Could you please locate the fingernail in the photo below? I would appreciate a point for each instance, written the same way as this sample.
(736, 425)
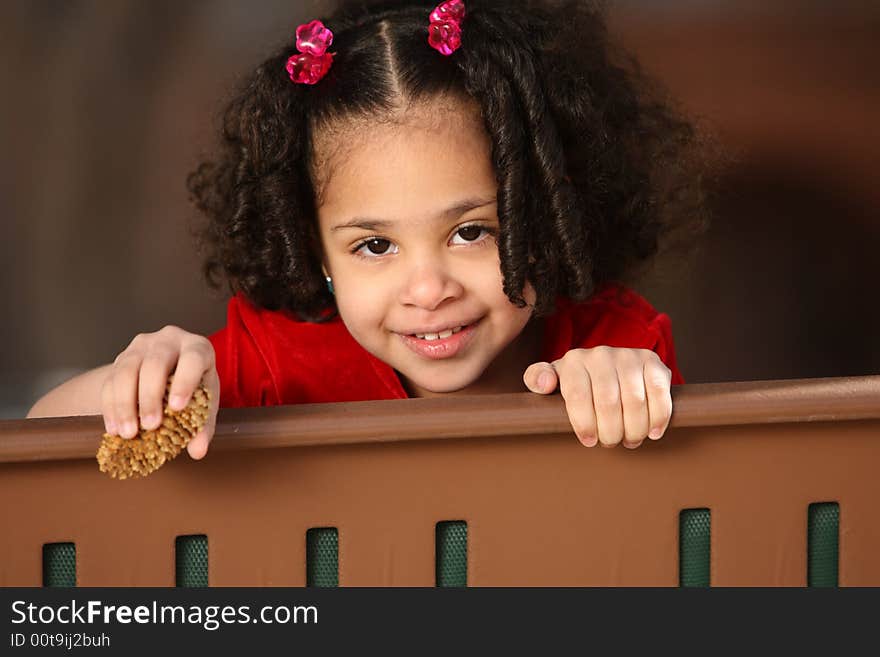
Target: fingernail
(111, 428)
(656, 432)
(150, 421)
(545, 380)
(589, 441)
(177, 402)
(129, 430)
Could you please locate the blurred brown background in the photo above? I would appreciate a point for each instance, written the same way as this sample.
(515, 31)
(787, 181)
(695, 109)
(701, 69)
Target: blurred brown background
(106, 106)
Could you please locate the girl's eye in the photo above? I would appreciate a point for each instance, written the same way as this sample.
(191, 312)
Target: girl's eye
(375, 246)
(471, 233)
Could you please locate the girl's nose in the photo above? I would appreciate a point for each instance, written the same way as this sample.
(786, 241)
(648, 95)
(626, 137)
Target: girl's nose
(428, 286)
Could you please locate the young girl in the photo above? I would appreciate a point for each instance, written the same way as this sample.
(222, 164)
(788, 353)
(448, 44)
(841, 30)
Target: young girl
(415, 200)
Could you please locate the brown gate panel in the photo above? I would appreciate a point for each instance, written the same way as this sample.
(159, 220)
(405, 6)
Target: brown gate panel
(540, 508)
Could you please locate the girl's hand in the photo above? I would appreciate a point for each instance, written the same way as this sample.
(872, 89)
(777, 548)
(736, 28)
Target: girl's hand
(135, 386)
(611, 394)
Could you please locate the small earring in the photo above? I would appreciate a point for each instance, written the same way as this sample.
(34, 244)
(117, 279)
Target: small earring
(329, 284)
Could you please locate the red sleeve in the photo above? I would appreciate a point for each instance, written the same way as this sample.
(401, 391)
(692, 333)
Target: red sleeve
(614, 317)
(245, 379)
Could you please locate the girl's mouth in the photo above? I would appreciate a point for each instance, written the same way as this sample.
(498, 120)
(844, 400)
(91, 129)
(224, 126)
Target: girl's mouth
(437, 346)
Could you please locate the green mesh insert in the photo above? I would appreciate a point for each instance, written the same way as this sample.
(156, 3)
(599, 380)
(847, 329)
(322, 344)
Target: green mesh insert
(452, 553)
(693, 544)
(823, 528)
(191, 558)
(322, 557)
(59, 564)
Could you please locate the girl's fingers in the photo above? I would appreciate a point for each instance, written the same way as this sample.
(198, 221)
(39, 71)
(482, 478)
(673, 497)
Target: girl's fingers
(196, 358)
(658, 381)
(125, 393)
(154, 371)
(636, 422)
(576, 388)
(607, 401)
(612, 395)
(540, 378)
(132, 395)
(198, 446)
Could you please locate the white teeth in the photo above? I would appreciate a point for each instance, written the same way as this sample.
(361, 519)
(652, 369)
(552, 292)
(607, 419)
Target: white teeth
(442, 335)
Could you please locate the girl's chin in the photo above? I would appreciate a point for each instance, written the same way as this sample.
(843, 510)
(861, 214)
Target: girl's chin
(433, 385)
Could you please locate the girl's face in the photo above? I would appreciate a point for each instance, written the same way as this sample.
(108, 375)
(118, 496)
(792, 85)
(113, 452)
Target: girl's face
(408, 220)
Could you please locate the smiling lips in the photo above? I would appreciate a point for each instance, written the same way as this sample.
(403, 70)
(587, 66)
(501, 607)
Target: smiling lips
(437, 346)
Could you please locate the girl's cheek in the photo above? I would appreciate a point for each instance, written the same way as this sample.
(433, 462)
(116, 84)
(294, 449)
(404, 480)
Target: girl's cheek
(359, 305)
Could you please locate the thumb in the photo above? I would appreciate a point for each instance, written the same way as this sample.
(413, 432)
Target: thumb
(541, 378)
(198, 446)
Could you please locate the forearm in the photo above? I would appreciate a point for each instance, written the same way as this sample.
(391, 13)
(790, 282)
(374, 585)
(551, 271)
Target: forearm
(80, 395)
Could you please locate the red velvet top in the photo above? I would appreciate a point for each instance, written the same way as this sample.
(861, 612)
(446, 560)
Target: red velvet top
(267, 358)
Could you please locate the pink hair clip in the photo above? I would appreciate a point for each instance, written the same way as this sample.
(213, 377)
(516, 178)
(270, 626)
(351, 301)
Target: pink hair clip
(313, 61)
(444, 29)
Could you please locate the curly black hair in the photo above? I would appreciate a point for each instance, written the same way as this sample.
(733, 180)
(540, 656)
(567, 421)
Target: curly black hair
(594, 165)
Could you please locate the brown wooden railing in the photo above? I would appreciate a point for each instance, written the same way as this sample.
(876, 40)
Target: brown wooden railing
(540, 508)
